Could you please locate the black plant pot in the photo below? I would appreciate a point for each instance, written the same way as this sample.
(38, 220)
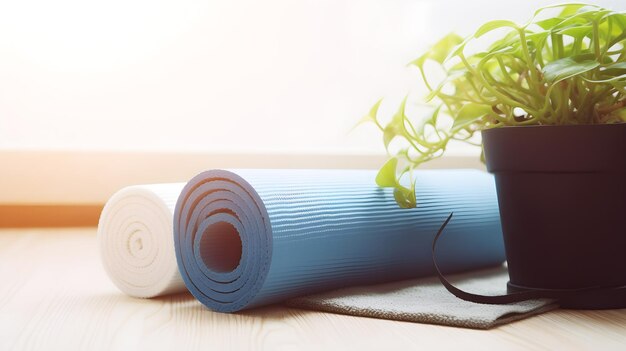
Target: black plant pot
(562, 197)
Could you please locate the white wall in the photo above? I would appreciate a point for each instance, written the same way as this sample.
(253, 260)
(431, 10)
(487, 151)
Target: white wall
(263, 75)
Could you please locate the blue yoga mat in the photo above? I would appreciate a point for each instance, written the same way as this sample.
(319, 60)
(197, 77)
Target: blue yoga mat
(248, 238)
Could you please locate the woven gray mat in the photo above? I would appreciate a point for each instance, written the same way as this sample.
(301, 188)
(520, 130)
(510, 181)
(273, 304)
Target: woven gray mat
(427, 301)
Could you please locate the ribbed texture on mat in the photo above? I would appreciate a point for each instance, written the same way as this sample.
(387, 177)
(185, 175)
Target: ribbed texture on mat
(253, 237)
(136, 242)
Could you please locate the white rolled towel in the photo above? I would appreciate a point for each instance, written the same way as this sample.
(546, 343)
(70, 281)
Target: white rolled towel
(136, 242)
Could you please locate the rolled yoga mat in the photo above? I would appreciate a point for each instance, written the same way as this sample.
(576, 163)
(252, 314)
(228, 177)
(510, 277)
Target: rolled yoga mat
(136, 242)
(248, 238)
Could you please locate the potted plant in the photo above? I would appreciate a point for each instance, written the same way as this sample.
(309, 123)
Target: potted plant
(549, 99)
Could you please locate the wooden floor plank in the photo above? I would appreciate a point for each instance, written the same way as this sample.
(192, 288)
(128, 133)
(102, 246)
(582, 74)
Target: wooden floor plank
(55, 295)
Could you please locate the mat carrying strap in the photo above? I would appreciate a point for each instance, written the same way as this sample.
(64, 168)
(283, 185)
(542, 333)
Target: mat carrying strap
(508, 298)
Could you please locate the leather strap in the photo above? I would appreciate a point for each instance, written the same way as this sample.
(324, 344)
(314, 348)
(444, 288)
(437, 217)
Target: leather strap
(508, 298)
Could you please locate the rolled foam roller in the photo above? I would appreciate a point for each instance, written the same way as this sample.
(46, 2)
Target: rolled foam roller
(136, 242)
(248, 238)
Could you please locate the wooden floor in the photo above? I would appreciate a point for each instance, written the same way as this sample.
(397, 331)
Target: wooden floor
(54, 295)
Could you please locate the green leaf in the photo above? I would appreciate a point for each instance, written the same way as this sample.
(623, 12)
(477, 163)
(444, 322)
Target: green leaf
(391, 131)
(431, 119)
(568, 8)
(617, 27)
(457, 50)
(576, 31)
(507, 40)
(614, 69)
(568, 67)
(386, 176)
(620, 85)
(371, 115)
(621, 19)
(583, 17)
(405, 197)
(439, 51)
(419, 62)
(468, 114)
(606, 80)
(571, 9)
(395, 126)
(538, 37)
(492, 25)
(497, 53)
(617, 65)
(549, 23)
